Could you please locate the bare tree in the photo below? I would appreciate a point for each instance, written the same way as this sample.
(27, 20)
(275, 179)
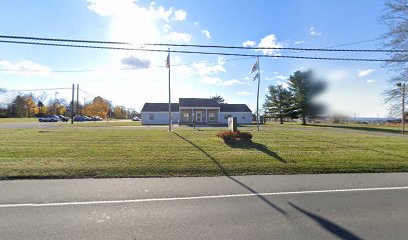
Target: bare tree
(396, 38)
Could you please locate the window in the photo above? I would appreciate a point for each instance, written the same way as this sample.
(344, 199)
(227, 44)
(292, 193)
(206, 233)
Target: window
(211, 116)
(243, 116)
(151, 116)
(185, 116)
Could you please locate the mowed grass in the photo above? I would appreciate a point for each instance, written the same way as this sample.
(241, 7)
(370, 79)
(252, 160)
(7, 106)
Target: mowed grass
(13, 120)
(66, 152)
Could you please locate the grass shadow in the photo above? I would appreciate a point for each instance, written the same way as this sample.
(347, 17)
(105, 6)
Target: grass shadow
(360, 128)
(225, 173)
(330, 226)
(257, 146)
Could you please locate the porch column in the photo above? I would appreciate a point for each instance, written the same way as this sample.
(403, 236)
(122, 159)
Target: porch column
(206, 115)
(192, 114)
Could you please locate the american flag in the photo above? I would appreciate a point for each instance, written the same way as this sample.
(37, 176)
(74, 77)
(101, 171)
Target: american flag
(168, 61)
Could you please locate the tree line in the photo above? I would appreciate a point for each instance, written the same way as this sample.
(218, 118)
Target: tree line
(30, 105)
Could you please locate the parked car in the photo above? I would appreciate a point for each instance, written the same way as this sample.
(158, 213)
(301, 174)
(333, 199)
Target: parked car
(63, 118)
(49, 118)
(80, 118)
(136, 119)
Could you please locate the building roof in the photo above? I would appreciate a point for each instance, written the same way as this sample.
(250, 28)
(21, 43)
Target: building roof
(198, 102)
(234, 108)
(160, 107)
(195, 102)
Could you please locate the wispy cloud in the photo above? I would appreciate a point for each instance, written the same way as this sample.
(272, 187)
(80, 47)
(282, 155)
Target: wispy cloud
(166, 28)
(249, 43)
(244, 93)
(179, 15)
(364, 72)
(313, 32)
(178, 37)
(204, 69)
(232, 82)
(206, 33)
(371, 81)
(299, 42)
(211, 80)
(26, 68)
(281, 77)
(338, 75)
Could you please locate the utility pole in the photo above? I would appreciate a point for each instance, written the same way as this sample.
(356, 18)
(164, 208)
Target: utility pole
(257, 95)
(403, 108)
(168, 66)
(72, 104)
(56, 103)
(77, 104)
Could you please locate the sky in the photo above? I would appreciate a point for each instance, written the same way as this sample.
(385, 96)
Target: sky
(131, 78)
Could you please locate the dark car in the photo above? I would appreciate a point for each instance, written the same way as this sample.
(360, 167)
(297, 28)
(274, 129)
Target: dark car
(81, 118)
(63, 118)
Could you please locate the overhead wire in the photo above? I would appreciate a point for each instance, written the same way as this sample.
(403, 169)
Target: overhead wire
(329, 49)
(208, 53)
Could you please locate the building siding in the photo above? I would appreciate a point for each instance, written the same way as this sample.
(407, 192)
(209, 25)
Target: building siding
(238, 115)
(159, 118)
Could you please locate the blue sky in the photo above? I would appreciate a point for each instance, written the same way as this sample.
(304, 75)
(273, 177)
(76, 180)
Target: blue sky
(353, 87)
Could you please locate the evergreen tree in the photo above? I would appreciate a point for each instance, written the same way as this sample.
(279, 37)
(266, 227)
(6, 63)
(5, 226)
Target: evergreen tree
(305, 88)
(279, 102)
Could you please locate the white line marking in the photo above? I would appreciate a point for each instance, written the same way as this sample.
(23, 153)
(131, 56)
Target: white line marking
(198, 197)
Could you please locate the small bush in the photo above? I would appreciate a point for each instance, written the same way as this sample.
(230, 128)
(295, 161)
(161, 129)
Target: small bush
(229, 136)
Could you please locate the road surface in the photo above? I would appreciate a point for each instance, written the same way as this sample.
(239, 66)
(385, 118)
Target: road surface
(336, 206)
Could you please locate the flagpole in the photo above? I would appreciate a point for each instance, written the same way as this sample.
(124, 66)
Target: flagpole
(257, 95)
(168, 64)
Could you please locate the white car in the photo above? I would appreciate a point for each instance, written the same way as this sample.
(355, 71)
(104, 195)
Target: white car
(136, 119)
(52, 118)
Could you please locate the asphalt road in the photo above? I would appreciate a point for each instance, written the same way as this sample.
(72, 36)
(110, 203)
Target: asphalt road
(337, 206)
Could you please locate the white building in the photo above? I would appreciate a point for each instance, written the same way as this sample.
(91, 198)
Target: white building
(200, 110)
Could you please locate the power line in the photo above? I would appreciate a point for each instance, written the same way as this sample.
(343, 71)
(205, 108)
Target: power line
(210, 46)
(33, 90)
(207, 53)
(328, 49)
(86, 93)
(62, 40)
(354, 43)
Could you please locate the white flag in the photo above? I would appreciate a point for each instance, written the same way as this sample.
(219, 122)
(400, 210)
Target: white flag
(255, 67)
(256, 76)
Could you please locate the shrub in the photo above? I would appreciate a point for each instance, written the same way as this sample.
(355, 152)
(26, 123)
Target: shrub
(229, 136)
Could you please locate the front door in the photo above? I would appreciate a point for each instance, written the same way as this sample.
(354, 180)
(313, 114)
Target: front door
(199, 116)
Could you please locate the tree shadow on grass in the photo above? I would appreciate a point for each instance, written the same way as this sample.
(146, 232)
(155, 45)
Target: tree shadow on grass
(225, 172)
(257, 146)
(330, 226)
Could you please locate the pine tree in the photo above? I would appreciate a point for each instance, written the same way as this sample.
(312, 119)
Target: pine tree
(279, 102)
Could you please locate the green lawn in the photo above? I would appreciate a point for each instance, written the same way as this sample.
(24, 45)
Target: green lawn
(111, 123)
(67, 152)
(7, 120)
